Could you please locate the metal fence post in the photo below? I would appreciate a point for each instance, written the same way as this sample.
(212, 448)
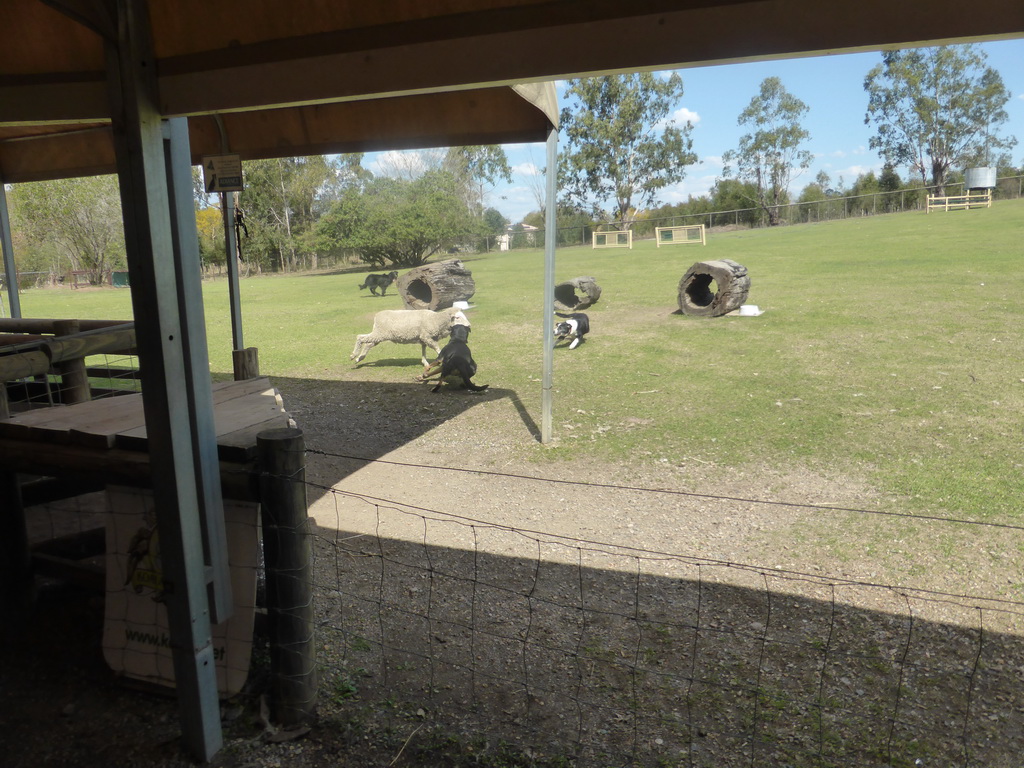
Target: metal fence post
(289, 575)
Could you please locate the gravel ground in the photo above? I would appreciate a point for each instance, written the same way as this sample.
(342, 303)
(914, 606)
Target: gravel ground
(59, 704)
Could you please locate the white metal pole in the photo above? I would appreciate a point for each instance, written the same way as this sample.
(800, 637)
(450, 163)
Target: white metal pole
(551, 236)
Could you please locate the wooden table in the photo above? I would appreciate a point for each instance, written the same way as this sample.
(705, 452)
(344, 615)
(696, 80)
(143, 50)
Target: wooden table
(107, 437)
(89, 445)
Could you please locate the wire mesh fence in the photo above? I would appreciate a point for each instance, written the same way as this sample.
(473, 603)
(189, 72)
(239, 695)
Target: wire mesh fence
(618, 656)
(829, 207)
(601, 654)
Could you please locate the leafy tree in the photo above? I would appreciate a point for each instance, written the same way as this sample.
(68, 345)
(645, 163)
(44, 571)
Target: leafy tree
(494, 222)
(768, 156)
(210, 230)
(399, 222)
(478, 169)
(74, 219)
(737, 199)
(282, 200)
(621, 143)
(936, 108)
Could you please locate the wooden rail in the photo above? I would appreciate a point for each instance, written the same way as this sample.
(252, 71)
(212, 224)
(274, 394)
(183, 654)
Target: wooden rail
(960, 202)
(29, 352)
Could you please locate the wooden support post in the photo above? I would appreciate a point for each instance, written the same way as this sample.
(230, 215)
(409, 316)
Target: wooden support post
(10, 283)
(74, 387)
(246, 363)
(162, 252)
(16, 583)
(288, 555)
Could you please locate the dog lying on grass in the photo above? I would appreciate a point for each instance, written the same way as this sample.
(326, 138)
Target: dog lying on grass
(455, 359)
(373, 282)
(575, 326)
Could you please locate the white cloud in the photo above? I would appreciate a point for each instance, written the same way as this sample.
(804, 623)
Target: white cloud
(712, 161)
(853, 171)
(526, 169)
(678, 118)
(694, 186)
(402, 164)
(684, 115)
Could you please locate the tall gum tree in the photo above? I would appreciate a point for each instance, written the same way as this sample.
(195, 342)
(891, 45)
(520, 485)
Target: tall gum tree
(769, 156)
(77, 221)
(622, 144)
(935, 109)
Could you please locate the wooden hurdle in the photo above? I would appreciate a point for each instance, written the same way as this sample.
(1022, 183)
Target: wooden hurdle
(689, 234)
(960, 202)
(617, 239)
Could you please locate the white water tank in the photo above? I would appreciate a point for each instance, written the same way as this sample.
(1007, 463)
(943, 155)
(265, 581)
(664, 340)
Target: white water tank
(980, 178)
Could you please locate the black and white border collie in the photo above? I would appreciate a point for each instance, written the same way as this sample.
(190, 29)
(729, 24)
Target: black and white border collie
(575, 326)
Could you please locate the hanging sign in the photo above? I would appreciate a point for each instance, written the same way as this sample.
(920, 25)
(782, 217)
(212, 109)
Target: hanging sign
(222, 173)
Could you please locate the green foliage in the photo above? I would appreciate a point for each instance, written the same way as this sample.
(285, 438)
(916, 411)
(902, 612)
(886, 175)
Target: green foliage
(70, 224)
(733, 195)
(210, 230)
(494, 222)
(282, 200)
(935, 109)
(397, 222)
(770, 153)
(621, 145)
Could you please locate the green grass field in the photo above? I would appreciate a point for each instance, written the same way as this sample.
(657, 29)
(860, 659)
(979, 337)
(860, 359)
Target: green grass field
(890, 348)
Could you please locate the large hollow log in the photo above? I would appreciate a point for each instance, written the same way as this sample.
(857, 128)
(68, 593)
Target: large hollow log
(436, 286)
(576, 294)
(713, 288)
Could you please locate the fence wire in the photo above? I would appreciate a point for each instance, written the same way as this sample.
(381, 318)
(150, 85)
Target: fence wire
(613, 655)
(610, 655)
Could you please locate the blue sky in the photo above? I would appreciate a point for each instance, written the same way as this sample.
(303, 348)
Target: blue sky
(833, 88)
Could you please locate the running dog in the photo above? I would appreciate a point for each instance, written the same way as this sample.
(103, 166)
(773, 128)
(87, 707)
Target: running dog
(455, 359)
(373, 282)
(574, 326)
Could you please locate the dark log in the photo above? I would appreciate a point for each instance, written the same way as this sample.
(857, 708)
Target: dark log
(696, 296)
(576, 294)
(246, 363)
(436, 286)
(74, 379)
(287, 552)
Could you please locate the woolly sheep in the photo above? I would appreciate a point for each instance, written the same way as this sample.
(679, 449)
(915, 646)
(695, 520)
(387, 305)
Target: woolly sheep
(409, 326)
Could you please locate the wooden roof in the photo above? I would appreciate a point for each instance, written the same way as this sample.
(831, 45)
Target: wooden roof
(271, 78)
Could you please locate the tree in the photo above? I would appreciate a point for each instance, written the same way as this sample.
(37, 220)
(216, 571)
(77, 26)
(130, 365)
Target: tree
(282, 200)
(478, 168)
(622, 144)
(936, 108)
(74, 219)
(736, 199)
(768, 156)
(399, 222)
(494, 222)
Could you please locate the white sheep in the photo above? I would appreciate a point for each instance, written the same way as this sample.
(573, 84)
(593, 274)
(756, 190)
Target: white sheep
(408, 326)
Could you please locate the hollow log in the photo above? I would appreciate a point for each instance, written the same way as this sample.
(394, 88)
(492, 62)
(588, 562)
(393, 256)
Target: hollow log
(697, 297)
(576, 294)
(436, 286)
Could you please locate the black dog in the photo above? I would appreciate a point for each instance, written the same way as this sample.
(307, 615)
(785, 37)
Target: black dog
(574, 327)
(455, 358)
(373, 282)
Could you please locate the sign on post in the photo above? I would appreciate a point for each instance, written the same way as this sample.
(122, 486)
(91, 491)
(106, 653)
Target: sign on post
(222, 173)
